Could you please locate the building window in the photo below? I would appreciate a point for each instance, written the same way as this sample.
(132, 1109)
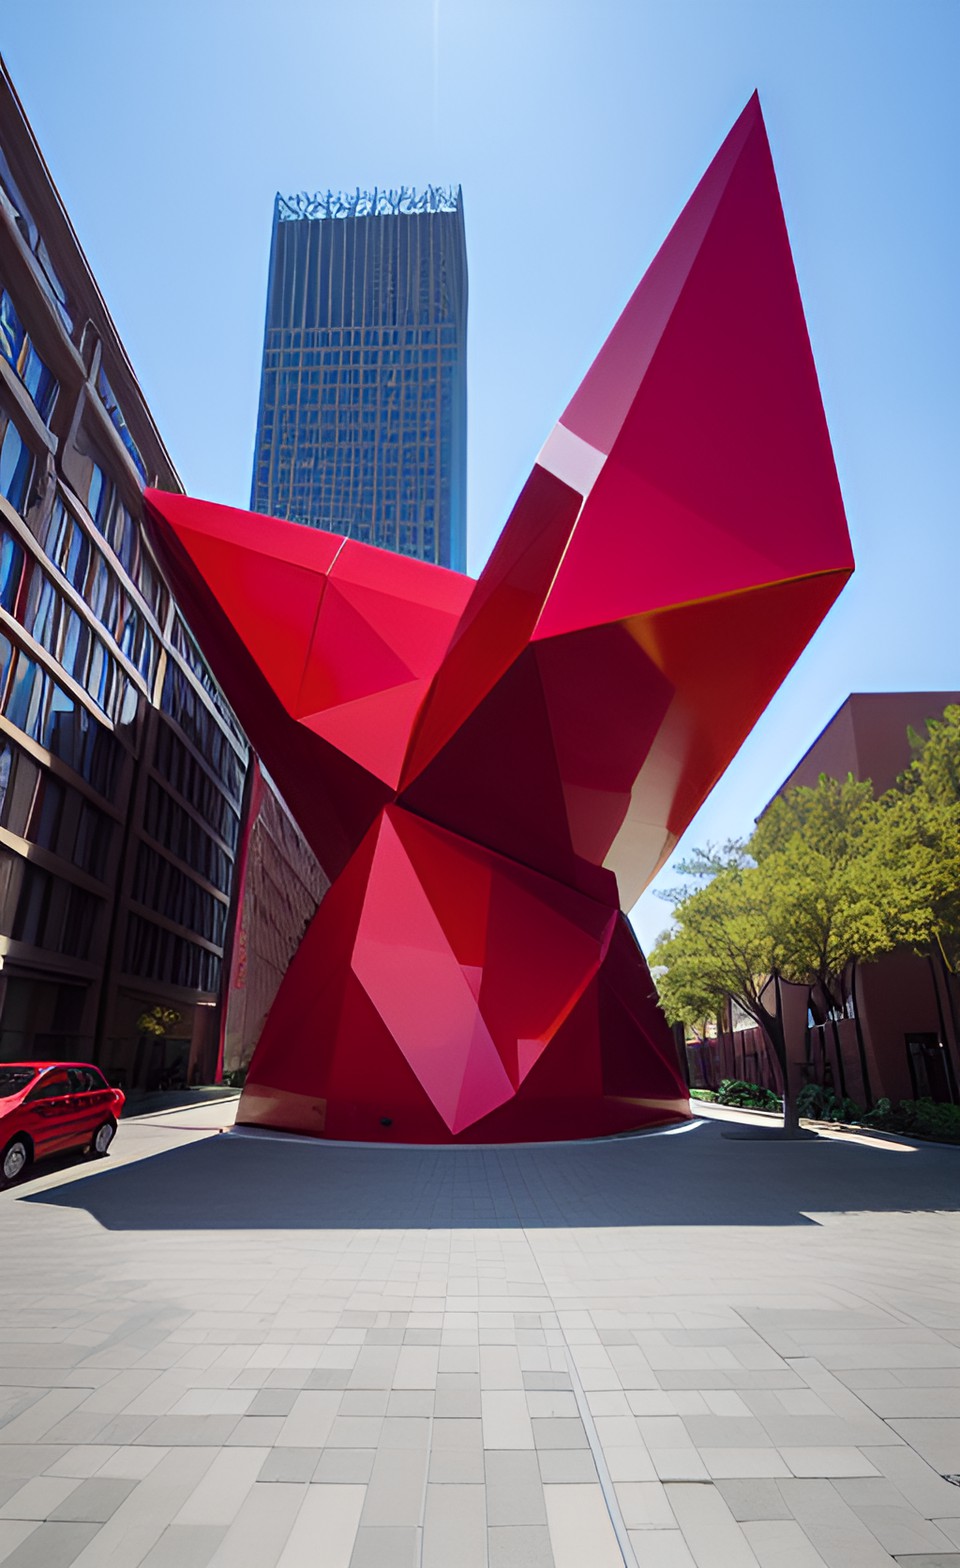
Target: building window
(17, 349)
(21, 215)
(11, 571)
(16, 467)
(33, 905)
(109, 401)
(25, 702)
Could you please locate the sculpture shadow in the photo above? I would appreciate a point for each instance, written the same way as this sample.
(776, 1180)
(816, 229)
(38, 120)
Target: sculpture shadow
(690, 1176)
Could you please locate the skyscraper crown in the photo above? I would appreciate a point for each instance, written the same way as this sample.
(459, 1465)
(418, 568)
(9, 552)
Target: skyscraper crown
(368, 204)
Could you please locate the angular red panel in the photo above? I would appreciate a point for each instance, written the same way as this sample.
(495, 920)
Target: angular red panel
(489, 771)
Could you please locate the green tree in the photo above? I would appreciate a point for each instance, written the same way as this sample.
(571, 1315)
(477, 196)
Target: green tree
(923, 834)
(830, 878)
(842, 893)
(727, 944)
(927, 807)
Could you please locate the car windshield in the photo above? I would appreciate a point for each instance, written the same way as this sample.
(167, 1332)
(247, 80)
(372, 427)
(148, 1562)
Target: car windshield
(13, 1079)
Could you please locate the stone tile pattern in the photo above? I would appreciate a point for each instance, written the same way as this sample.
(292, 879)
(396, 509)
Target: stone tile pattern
(480, 1387)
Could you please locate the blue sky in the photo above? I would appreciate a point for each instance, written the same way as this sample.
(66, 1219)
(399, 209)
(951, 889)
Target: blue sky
(577, 128)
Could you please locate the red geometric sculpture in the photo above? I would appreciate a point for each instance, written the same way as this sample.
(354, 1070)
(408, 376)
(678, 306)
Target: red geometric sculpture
(490, 771)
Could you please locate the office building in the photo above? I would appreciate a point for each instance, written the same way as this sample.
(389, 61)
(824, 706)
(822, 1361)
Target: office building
(122, 768)
(363, 408)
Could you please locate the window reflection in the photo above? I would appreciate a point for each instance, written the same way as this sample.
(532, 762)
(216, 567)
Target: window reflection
(16, 466)
(18, 351)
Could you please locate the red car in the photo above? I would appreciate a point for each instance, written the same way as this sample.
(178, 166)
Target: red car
(48, 1107)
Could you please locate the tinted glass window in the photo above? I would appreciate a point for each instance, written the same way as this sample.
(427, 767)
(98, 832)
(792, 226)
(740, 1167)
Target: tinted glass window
(6, 655)
(26, 696)
(11, 571)
(52, 1083)
(85, 1079)
(32, 906)
(14, 1079)
(40, 382)
(16, 465)
(12, 335)
(47, 813)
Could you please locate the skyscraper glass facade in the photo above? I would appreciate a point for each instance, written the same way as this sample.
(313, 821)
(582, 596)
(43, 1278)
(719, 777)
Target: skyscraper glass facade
(363, 399)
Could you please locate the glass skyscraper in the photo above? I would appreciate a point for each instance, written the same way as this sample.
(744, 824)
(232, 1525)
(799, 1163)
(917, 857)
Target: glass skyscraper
(362, 427)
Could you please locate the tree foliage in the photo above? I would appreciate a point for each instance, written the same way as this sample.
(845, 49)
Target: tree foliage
(831, 876)
(924, 826)
(727, 943)
(838, 861)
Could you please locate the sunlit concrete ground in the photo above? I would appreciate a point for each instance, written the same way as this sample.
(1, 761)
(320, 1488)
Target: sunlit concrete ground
(219, 1348)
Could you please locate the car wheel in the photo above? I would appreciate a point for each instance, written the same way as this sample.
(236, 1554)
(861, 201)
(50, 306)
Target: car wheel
(16, 1157)
(102, 1139)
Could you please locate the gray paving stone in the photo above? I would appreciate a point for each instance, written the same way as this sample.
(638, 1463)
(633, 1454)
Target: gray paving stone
(559, 1432)
(272, 1402)
(27, 1460)
(122, 1430)
(568, 1466)
(186, 1546)
(364, 1402)
(459, 1433)
(395, 1547)
(520, 1546)
(514, 1487)
(52, 1546)
(753, 1499)
(457, 1402)
(355, 1431)
(93, 1501)
(256, 1431)
(410, 1402)
(264, 1521)
(187, 1431)
(290, 1464)
(454, 1527)
(395, 1493)
(405, 1432)
(345, 1466)
(328, 1377)
(453, 1466)
(385, 1286)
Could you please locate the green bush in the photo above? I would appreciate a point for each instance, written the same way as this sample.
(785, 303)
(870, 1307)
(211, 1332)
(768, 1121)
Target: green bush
(926, 1119)
(747, 1096)
(823, 1105)
(915, 1118)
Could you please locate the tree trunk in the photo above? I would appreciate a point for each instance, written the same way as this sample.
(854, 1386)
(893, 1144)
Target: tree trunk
(861, 1044)
(776, 1034)
(940, 963)
(833, 1006)
(838, 1050)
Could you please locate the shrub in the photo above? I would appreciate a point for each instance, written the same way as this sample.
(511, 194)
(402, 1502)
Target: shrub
(915, 1118)
(823, 1105)
(930, 1119)
(748, 1096)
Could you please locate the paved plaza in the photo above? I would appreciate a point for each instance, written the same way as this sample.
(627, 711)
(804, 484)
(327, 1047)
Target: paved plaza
(688, 1348)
